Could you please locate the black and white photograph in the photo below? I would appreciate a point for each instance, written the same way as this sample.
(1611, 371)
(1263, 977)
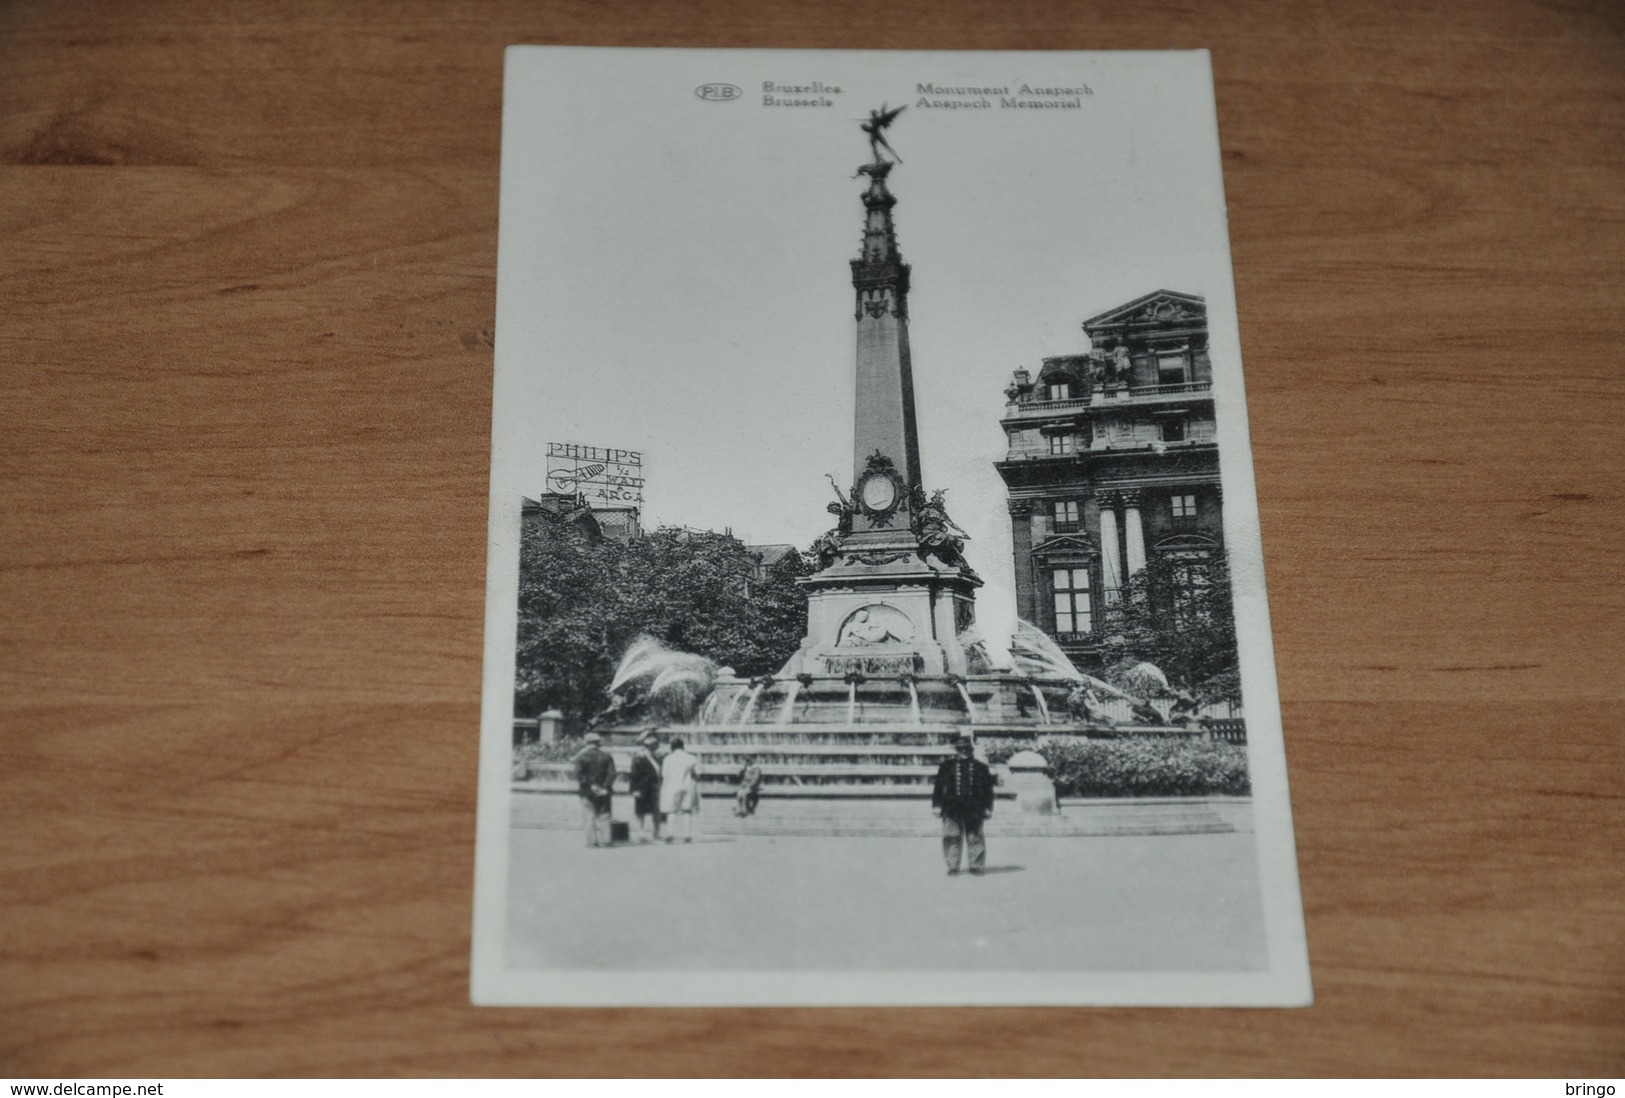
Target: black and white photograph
(876, 607)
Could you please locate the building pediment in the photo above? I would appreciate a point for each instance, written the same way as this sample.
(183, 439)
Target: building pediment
(1064, 543)
(1159, 307)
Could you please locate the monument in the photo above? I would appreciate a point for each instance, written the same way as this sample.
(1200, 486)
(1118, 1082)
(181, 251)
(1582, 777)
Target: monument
(893, 591)
(884, 679)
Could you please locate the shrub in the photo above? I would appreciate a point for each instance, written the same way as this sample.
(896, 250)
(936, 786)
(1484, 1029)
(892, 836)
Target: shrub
(1137, 767)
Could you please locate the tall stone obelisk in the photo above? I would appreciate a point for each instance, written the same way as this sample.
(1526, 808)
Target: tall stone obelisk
(885, 373)
(893, 592)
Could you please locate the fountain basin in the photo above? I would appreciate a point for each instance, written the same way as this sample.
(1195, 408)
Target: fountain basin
(992, 700)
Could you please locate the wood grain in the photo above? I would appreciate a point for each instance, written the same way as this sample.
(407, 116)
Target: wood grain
(248, 274)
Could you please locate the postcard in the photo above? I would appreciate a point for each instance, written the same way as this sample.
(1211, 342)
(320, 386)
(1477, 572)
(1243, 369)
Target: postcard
(876, 606)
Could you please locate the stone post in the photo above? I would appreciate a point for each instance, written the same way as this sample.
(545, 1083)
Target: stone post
(1035, 793)
(548, 726)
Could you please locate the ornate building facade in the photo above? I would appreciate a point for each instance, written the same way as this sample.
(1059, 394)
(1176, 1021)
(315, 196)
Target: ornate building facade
(1112, 461)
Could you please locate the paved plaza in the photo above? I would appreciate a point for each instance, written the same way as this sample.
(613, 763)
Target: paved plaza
(1159, 903)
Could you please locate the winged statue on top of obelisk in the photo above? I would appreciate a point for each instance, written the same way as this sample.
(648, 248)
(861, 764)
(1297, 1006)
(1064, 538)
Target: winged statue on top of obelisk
(875, 128)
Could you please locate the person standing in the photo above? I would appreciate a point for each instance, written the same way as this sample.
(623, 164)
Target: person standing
(680, 791)
(963, 798)
(595, 781)
(645, 783)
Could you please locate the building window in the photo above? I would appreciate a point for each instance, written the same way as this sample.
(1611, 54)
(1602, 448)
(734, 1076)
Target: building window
(1170, 367)
(1066, 514)
(1173, 430)
(1184, 507)
(1072, 611)
(1061, 391)
(1062, 444)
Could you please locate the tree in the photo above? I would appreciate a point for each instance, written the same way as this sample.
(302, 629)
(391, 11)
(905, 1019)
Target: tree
(1177, 613)
(583, 600)
(565, 638)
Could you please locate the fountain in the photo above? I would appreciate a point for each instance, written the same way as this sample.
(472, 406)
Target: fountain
(855, 734)
(670, 685)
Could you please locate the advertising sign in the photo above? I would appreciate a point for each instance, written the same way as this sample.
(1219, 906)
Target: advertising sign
(604, 477)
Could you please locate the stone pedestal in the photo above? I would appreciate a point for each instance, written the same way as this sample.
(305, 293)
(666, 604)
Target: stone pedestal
(1035, 793)
(883, 610)
(548, 726)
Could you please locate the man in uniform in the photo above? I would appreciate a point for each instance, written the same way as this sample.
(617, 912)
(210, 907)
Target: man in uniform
(595, 779)
(963, 798)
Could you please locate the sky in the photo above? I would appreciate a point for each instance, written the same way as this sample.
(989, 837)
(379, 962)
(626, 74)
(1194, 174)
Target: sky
(673, 270)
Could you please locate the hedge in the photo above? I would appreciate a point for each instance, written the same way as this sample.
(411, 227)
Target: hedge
(1137, 767)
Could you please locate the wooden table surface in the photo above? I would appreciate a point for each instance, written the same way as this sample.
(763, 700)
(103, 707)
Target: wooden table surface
(247, 255)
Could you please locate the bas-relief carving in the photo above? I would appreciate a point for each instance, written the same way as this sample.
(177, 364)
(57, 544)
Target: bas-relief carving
(1121, 430)
(880, 302)
(903, 663)
(875, 624)
(1165, 310)
(875, 560)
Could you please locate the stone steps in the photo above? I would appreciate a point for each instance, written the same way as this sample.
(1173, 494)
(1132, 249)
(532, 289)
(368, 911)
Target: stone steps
(823, 783)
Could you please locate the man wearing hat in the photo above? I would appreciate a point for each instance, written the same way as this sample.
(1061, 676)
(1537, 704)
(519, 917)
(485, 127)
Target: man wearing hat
(645, 783)
(963, 798)
(595, 779)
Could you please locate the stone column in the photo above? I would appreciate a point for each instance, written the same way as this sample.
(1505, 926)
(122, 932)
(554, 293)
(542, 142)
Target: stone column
(1133, 533)
(1021, 538)
(1111, 567)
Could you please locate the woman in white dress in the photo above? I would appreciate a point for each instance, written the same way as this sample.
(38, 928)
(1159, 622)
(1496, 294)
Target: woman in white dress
(679, 792)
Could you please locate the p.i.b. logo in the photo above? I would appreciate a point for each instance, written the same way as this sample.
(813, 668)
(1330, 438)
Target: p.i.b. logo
(719, 93)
